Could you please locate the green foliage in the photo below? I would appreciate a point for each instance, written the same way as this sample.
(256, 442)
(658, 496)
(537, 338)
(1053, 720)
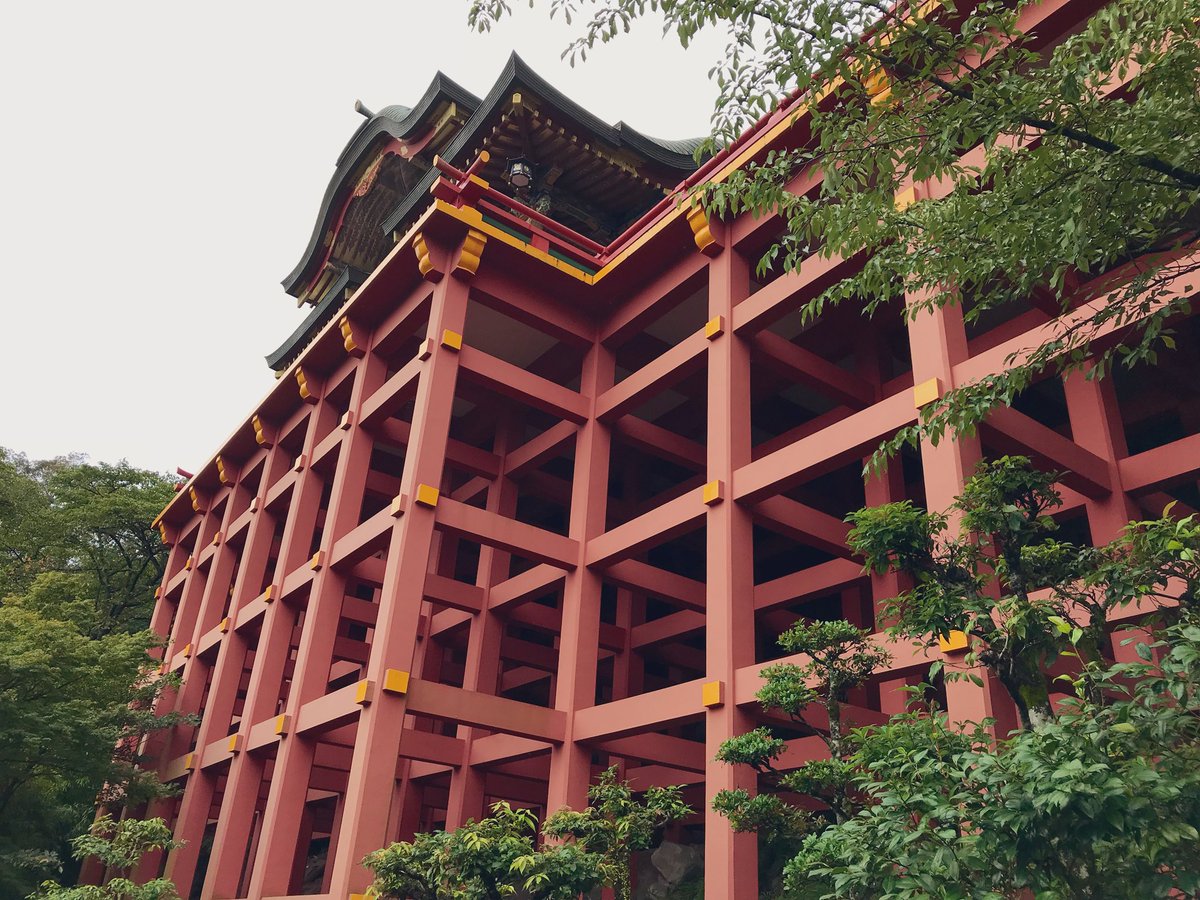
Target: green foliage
(837, 657)
(119, 845)
(1102, 802)
(78, 562)
(1000, 575)
(1046, 183)
(616, 824)
(473, 863)
(69, 517)
(1097, 796)
(500, 857)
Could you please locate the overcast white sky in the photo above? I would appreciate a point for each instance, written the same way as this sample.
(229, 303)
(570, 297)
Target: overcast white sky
(161, 165)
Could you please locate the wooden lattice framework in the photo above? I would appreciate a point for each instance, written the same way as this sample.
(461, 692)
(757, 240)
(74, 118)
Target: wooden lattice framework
(528, 508)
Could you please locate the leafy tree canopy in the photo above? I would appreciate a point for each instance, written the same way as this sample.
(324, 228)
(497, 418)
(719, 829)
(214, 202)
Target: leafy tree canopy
(1096, 795)
(71, 517)
(500, 855)
(78, 564)
(120, 846)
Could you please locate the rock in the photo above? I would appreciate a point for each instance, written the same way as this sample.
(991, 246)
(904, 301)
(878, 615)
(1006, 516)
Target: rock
(675, 862)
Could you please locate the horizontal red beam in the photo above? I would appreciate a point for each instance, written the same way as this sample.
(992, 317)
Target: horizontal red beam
(507, 534)
(848, 439)
(656, 376)
(444, 701)
(522, 385)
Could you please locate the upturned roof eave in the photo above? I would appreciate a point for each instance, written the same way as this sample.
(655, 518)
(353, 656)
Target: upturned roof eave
(441, 89)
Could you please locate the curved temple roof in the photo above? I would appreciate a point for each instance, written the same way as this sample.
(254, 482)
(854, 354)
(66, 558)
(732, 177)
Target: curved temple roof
(594, 177)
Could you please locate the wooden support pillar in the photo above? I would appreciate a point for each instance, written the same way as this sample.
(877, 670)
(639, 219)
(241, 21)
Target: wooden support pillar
(579, 652)
(1096, 426)
(482, 670)
(380, 726)
(201, 786)
(282, 813)
(938, 341)
(730, 858)
(239, 814)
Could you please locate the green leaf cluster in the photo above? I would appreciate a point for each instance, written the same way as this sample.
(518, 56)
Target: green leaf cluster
(78, 565)
(120, 846)
(500, 855)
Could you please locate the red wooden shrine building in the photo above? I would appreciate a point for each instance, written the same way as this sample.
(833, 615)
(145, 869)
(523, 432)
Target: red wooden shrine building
(546, 471)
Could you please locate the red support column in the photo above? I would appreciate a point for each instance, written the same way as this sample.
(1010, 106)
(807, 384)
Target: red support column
(1096, 426)
(222, 694)
(284, 807)
(730, 859)
(482, 671)
(380, 726)
(578, 646)
(237, 819)
(938, 341)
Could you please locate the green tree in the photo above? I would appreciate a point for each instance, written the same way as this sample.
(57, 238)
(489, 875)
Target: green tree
(1101, 802)
(1046, 185)
(479, 862)
(839, 657)
(74, 709)
(1097, 795)
(78, 564)
(120, 846)
(499, 856)
(615, 825)
(71, 517)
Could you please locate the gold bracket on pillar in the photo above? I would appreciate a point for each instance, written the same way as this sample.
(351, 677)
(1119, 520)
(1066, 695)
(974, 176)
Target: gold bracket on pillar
(364, 691)
(713, 492)
(187, 566)
(954, 642)
(226, 474)
(270, 593)
(216, 541)
(282, 725)
(189, 762)
(905, 198)
(197, 499)
(425, 265)
(702, 230)
(310, 387)
(162, 533)
(427, 495)
(395, 681)
(927, 392)
(264, 435)
(317, 561)
(469, 253)
(712, 694)
(235, 743)
(351, 345)
(714, 327)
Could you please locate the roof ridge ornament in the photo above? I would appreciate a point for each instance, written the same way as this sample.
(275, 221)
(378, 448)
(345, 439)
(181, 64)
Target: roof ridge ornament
(363, 110)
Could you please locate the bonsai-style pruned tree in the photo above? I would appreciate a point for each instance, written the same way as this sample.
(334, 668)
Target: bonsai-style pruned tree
(1096, 795)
